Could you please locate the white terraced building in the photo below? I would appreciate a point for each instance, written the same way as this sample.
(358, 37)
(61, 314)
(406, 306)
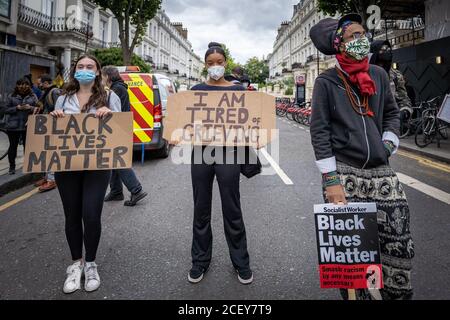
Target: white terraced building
(45, 36)
(295, 55)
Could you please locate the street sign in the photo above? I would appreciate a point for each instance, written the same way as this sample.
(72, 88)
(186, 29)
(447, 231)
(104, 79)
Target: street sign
(444, 112)
(348, 246)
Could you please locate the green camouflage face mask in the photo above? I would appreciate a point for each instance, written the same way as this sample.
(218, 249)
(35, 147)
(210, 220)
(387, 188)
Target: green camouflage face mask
(358, 48)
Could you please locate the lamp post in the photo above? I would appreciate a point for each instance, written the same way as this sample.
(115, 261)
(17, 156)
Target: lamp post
(89, 34)
(189, 81)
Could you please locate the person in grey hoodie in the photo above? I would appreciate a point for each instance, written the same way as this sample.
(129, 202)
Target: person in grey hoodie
(354, 131)
(21, 104)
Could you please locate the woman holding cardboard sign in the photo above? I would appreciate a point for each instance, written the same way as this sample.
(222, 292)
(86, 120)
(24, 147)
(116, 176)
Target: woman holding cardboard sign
(228, 177)
(82, 192)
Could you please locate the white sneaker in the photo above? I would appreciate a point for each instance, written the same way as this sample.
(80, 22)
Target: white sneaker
(92, 279)
(73, 280)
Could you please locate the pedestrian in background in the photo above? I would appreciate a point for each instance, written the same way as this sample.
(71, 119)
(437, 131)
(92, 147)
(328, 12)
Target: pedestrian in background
(228, 178)
(381, 55)
(34, 87)
(50, 94)
(354, 131)
(112, 79)
(236, 74)
(21, 104)
(82, 192)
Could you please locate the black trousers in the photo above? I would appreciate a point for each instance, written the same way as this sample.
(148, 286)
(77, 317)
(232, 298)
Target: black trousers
(14, 139)
(228, 176)
(82, 194)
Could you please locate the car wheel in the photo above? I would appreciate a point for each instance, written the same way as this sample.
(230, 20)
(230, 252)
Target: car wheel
(164, 151)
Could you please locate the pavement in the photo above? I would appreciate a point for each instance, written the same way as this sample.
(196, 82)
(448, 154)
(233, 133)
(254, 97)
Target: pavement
(144, 252)
(9, 183)
(441, 153)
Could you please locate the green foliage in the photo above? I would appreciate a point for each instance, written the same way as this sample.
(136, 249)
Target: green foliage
(136, 13)
(336, 7)
(288, 82)
(114, 57)
(289, 91)
(231, 64)
(342, 7)
(257, 70)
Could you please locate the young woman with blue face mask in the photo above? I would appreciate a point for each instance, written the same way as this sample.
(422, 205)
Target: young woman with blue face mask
(82, 192)
(227, 173)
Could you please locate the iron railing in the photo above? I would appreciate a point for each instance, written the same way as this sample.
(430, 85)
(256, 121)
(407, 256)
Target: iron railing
(42, 21)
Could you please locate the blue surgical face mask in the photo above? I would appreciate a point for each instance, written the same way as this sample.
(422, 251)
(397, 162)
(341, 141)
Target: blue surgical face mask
(85, 76)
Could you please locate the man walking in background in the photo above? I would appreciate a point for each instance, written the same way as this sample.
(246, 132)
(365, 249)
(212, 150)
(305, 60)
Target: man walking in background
(112, 79)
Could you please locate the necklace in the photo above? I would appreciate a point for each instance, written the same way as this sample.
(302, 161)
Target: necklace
(366, 111)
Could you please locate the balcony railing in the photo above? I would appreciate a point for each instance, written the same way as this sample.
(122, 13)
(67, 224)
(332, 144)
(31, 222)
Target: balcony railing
(34, 18)
(409, 37)
(52, 24)
(392, 25)
(148, 58)
(311, 58)
(162, 66)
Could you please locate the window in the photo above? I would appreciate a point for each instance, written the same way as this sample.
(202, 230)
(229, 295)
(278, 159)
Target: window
(5, 8)
(103, 27)
(48, 7)
(87, 17)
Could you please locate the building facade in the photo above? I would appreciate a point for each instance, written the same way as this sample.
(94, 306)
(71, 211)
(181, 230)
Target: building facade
(294, 54)
(45, 36)
(167, 48)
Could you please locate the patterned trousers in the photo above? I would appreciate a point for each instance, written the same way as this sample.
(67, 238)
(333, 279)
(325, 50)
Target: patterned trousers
(381, 185)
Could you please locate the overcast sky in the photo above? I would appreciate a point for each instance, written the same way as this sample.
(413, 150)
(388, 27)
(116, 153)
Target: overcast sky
(248, 28)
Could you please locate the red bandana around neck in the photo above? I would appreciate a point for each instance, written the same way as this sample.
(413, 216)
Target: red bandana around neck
(358, 72)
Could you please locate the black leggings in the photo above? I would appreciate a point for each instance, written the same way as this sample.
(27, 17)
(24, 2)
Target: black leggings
(82, 194)
(228, 176)
(14, 139)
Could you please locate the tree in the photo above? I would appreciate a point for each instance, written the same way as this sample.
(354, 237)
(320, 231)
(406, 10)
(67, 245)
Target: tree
(257, 70)
(342, 7)
(231, 64)
(114, 57)
(136, 13)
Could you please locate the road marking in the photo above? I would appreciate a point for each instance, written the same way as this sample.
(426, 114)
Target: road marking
(425, 161)
(276, 167)
(19, 199)
(424, 188)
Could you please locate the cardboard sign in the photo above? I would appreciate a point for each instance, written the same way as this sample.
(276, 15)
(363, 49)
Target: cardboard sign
(348, 246)
(79, 142)
(220, 118)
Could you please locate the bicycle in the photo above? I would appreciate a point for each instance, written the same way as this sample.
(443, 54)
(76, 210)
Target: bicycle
(430, 128)
(303, 115)
(408, 123)
(282, 104)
